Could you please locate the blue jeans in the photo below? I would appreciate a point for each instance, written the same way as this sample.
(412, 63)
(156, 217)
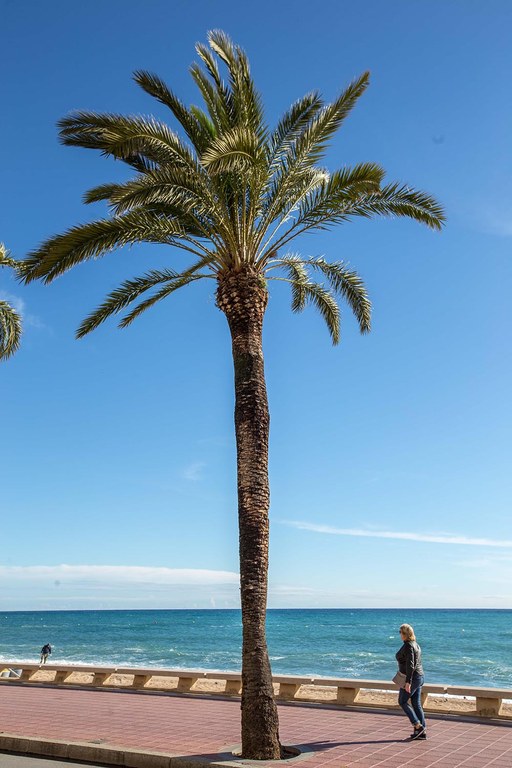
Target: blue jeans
(411, 702)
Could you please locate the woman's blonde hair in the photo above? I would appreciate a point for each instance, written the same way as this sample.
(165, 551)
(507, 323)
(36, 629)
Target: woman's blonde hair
(408, 632)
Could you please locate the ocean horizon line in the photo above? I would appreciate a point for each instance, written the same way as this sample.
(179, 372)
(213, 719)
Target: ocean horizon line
(238, 610)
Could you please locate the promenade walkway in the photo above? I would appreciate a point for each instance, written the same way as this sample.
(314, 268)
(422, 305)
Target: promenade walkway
(125, 727)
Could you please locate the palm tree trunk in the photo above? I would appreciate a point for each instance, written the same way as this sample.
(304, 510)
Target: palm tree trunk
(242, 296)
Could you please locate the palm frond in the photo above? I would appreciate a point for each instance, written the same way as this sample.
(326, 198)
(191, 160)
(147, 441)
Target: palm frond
(126, 137)
(87, 241)
(400, 200)
(178, 193)
(342, 187)
(205, 121)
(169, 186)
(324, 203)
(298, 277)
(291, 125)
(100, 193)
(329, 205)
(158, 296)
(311, 143)
(308, 149)
(224, 93)
(238, 150)
(326, 304)
(343, 281)
(122, 296)
(305, 291)
(348, 284)
(10, 330)
(130, 290)
(219, 108)
(211, 67)
(281, 201)
(247, 104)
(156, 87)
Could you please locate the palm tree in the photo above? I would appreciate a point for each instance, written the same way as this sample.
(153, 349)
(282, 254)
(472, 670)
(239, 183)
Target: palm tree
(233, 194)
(10, 320)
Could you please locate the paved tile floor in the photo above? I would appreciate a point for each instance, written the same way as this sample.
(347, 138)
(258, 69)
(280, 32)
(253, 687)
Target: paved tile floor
(203, 726)
(16, 761)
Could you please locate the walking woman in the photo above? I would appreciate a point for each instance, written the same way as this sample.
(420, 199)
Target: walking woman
(409, 698)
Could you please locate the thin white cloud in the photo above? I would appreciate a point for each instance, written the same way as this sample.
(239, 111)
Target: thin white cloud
(115, 574)
(51, 587)
(138, 585)
(400, 535)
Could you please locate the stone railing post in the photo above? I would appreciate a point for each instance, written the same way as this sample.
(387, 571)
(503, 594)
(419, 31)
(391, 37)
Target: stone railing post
(288, 690)
(347, 696)
(186, 683)
(233, 687)
(487, 707)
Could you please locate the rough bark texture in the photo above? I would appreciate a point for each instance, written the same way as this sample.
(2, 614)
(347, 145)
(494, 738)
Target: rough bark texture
(242, 296)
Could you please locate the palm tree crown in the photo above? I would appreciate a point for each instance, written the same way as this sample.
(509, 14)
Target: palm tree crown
(234, 194)
(10, 320)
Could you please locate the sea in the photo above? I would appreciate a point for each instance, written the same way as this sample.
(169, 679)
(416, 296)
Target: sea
(464, 647)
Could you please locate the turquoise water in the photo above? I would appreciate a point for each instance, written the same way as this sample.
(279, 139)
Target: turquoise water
(465, 647)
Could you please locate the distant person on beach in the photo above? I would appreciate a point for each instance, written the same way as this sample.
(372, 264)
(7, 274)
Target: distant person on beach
(45, 652)
(409, 664)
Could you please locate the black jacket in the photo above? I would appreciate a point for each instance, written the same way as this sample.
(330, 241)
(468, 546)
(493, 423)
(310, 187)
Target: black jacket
(409, 659)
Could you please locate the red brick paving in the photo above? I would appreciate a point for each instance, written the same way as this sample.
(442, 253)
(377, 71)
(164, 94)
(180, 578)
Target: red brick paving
(204, 726)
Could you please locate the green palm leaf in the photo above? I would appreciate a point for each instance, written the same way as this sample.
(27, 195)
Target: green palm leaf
(299, 278)
(87, 241)
(220, 109)
(306, 291)
(348, 284)
(100, 193)
(10, 330)
(10, 320)
(247, 104)
(400, 200)
(193, 127)
(121, 297)
(291, 125)
(311, 143)
(126, 137)
(163, 293)
(326, 304)
(130, 290)
(238, 150)
(343, 281)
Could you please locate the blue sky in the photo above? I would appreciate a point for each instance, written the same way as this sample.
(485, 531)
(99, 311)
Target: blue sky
(390, 454)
